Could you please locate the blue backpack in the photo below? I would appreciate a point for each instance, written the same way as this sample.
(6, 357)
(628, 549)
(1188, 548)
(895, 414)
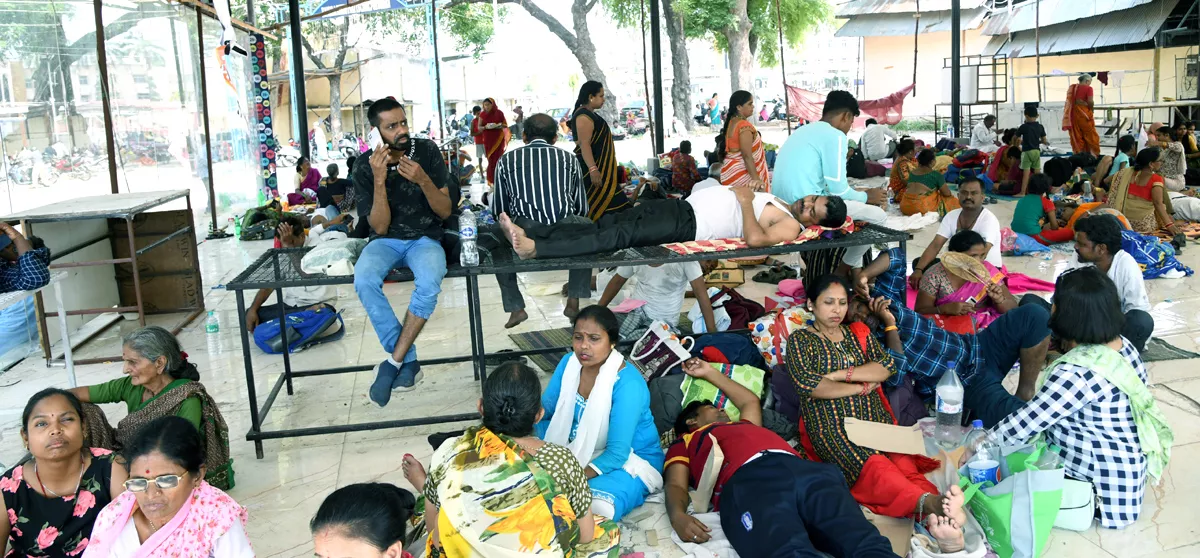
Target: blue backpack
(305, 329)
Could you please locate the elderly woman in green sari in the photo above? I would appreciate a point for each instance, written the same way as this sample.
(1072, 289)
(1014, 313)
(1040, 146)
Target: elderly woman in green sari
(159, 381)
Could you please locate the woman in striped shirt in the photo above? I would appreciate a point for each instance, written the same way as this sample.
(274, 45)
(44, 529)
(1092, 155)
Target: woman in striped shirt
(740, 146)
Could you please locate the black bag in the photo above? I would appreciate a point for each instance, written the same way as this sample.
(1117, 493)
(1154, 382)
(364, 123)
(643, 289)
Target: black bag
(856, 166)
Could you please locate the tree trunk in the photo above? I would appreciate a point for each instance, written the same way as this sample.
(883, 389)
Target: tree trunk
(741, 60)
(681, 86)
(585, 53)
(335, 109)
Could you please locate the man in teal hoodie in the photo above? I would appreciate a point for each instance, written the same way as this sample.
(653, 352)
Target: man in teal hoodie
(812, 162)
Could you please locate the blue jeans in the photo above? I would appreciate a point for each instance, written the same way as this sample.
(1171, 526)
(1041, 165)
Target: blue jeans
(427, 260)
(1000, 347)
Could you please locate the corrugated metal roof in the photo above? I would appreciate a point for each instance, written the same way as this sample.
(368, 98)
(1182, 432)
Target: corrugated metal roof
(878, 7)
(1024, 17)
(1131, 26)
(892, 25)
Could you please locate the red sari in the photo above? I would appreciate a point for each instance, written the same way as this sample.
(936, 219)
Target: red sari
(495, 139)
(1079, 121)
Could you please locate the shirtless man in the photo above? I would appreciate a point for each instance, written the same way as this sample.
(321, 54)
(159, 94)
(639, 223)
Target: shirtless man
(713, 213)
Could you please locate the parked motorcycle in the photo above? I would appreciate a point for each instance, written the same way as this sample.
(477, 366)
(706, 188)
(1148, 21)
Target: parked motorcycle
(72, 166)
(348, 145)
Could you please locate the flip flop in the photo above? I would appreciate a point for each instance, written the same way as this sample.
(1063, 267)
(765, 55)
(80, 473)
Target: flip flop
(774, 275)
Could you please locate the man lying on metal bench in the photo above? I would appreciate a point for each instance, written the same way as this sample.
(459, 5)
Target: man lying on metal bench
(713, 213)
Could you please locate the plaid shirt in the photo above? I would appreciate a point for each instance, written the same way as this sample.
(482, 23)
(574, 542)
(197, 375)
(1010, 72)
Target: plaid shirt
(1092, 421)
(927, 347)
(30, 272)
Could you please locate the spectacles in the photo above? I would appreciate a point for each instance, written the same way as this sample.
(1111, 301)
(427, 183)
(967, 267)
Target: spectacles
(164, 482)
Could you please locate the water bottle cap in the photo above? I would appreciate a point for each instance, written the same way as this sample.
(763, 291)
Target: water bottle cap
(977, 423)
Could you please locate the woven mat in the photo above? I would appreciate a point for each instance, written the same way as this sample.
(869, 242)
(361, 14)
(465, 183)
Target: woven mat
(561, 337)
(1159, 350)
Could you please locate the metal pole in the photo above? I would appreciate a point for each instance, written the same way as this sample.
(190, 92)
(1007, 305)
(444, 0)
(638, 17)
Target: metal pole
(102, 62)
(955, 68)
(783, 69)
(250, 12)
(203, 94)
(301, 108)
(916, 37)
(1037, 43)
(656, 64)
(437, 72)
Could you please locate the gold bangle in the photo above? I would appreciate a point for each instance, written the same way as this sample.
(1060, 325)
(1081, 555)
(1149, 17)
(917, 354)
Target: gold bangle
(890, 328)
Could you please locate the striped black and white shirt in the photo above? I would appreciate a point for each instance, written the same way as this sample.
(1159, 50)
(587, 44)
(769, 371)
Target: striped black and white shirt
(539, 182)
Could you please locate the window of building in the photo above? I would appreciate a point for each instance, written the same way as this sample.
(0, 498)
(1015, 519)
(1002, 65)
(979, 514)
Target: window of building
(83, 79)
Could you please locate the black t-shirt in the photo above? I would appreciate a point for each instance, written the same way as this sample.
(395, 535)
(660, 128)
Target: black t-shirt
(412, 217)
(326, 192)
(1031, 136)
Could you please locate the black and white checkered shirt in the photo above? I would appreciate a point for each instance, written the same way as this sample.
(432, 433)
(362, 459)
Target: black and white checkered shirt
(539, 182)
(1092, 421)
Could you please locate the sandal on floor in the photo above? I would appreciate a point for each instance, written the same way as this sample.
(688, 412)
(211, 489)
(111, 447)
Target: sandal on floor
(774, 275)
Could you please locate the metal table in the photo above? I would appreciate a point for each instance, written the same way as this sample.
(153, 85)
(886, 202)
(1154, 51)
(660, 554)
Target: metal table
(134, 209)
(279, 268)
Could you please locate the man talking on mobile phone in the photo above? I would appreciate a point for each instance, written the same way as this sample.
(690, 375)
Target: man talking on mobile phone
(404, 193)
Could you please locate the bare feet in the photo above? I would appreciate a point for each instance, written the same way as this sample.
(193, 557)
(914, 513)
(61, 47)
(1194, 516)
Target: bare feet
(515, 319)
(414, 472)
(952, 505)
(947, 532)
(522, 245)
(572, 308)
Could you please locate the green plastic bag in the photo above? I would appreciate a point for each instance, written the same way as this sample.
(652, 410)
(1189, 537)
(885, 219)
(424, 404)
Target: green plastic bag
(749, 377)
(1017, 514)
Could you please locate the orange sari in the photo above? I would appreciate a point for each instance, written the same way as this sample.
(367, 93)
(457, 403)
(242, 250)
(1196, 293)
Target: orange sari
(495, 139)
(1079, 120)
(733, 171)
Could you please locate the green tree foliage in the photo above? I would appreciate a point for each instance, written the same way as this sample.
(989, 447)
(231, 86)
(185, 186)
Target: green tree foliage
(709, 19)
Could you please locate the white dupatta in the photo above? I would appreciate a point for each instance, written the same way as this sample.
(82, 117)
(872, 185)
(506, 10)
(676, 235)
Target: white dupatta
(591, 436)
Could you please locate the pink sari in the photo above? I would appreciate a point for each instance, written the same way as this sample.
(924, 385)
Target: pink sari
(204, 518)
(974, 293)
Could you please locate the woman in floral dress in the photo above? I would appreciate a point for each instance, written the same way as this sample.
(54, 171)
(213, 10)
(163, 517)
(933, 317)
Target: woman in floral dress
(53, 498)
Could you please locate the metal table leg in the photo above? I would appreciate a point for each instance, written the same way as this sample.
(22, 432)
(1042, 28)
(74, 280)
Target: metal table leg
(64, 332)
(255, 425)
(476, 327)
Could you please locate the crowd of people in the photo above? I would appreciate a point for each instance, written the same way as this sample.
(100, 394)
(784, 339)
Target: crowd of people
(551, 470)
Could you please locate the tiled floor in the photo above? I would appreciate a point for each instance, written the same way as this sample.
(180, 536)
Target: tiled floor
(283, 490)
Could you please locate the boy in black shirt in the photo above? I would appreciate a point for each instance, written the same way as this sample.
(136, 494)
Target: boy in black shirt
(404, 191)
(1033, 136)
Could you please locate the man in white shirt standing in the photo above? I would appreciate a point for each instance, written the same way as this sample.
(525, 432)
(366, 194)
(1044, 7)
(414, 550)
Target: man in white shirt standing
(972, 216)
(878, 141)
(983, 137)
(1098, 242)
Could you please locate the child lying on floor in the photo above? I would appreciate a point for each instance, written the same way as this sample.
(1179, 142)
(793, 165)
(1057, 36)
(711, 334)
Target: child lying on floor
(662, 287)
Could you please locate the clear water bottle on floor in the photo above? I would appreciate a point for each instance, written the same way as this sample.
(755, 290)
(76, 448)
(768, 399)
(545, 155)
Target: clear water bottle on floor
(984, 464)
(468, 233)
(211, 325)
(948, 433)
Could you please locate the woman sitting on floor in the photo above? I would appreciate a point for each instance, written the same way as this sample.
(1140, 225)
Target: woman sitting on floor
(53, 497)
(902, 166)
(160, 381)
(1010, 183)
(598, 406)
(1094, 404)
(837, 369)
(999, 166)
(942, 291)
(1119, 161)
(927, 189)
(1140, 194)
(1035, 209)
(363, 520)
(181, 515)
(499, 490)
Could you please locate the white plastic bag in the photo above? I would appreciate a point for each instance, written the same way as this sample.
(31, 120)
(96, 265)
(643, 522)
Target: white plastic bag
(335, 257)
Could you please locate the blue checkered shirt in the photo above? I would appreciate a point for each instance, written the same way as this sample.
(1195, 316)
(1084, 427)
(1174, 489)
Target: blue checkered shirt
(927, 347)
(31, 271)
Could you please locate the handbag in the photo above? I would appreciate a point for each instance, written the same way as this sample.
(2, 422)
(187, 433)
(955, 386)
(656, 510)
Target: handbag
(305, 329)
(659, 350)
(1078, 507)
(1018, 513)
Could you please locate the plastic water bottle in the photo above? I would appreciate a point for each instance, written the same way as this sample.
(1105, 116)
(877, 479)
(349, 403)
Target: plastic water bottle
(948, 433)
(984, 464)
(1049, 460)
(211, 325)
(950, 132)
(469, 254)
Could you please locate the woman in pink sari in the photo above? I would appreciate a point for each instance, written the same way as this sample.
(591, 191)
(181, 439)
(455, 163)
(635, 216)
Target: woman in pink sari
(167, 509)
(947, 294)
(1078, 117)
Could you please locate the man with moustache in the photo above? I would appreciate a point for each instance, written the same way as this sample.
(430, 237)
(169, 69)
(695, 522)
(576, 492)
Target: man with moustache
(404, 193)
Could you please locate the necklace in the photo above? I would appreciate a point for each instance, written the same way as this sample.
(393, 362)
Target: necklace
(47, 491)
(153, 527)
